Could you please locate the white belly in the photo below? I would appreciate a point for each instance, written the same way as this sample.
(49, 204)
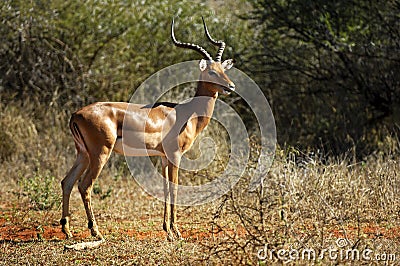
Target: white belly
(126, 150)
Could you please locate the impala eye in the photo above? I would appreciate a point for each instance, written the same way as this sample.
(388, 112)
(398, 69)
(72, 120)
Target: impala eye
(213, 73)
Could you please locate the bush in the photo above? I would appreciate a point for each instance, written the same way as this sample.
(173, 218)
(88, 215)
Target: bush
(41, 191)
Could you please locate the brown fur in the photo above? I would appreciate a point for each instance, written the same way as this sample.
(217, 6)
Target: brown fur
(97, 131)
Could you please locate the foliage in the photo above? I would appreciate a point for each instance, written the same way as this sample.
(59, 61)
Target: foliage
(77, 52)
(330, 69)
(36, 64)
(40, 189)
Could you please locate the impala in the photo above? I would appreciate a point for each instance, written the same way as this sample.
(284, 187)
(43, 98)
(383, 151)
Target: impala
(164, 129)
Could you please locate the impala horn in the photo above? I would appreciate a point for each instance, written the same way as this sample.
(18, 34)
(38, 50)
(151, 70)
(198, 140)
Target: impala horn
(192, 46)
(221, 44)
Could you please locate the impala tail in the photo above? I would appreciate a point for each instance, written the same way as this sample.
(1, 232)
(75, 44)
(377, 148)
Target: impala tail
(78, 137)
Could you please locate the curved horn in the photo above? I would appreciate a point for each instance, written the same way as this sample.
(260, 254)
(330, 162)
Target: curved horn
(221, 44)
(192, 46)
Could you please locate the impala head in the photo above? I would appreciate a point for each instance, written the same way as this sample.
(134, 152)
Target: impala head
(212, 71)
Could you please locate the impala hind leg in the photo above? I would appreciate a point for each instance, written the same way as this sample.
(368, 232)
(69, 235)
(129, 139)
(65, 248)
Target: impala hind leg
(96, 164)
(80, 165)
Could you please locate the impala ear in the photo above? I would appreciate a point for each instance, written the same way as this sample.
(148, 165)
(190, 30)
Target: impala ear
(203, 64)
(227, 64)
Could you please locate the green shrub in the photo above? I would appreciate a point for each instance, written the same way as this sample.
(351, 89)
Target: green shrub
(41, 191)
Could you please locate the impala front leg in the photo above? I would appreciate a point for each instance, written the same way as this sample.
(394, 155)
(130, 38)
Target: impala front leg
(173, 191)
(167, 200)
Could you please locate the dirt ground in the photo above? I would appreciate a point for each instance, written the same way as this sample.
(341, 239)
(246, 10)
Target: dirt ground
(337, 209)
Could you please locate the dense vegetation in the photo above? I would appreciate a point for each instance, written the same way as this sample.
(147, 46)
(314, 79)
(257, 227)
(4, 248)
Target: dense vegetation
(329, 70)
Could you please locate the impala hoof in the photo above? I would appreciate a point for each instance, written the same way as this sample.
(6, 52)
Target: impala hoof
(65, 228)
(96, 233)
(176, 232)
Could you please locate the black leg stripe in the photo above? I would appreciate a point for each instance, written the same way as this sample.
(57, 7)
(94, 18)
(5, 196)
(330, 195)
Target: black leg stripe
(63, 221)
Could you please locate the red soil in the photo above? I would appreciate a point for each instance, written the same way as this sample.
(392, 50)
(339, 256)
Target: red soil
(29, 232)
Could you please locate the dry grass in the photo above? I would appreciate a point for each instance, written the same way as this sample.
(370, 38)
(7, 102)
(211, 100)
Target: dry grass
(306, 201)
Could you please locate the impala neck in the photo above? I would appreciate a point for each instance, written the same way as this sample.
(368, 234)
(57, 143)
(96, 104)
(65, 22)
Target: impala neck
(203, 90)
(206, 99)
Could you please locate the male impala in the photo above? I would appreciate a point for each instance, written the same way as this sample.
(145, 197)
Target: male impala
(97, 131)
